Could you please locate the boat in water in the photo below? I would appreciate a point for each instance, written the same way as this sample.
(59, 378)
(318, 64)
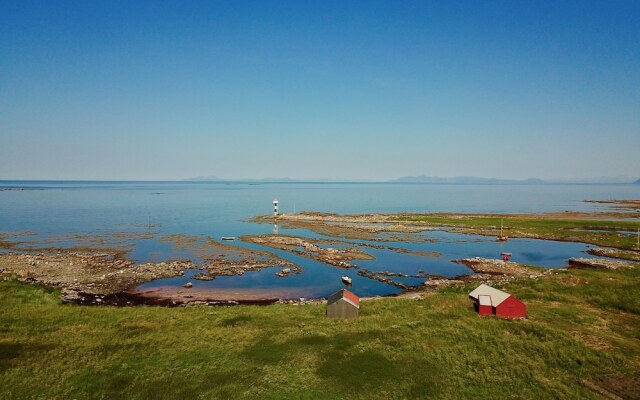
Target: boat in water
(228, 238)
(502, 238)
(346, 280)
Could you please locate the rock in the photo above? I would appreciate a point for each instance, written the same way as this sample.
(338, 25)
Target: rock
(201, 276)
(284, 272)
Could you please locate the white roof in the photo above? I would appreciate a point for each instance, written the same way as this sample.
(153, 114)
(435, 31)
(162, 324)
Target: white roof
(484, 300)
(497, 296)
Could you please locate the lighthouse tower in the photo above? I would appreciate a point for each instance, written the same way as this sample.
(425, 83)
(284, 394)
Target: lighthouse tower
(275, 208)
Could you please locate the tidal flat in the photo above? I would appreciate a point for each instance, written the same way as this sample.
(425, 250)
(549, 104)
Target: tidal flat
(98, 269)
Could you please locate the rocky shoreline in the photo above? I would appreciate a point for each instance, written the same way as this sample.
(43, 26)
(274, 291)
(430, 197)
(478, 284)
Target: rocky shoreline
(102, 279)
(109, 279)
(601, 263)
(632, 255)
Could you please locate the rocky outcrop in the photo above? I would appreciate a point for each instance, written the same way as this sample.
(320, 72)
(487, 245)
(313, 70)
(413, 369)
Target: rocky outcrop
(615, 253)
(203, 276)
(284, 272)
(491, 266)
(601, 263)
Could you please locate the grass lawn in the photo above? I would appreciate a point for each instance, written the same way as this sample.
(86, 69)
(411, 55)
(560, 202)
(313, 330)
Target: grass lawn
(583, 332)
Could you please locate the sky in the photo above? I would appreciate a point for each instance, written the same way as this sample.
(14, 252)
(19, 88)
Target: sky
(162, 90)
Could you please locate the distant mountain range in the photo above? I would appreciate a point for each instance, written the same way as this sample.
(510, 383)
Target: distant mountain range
(467, 180)
(472, 180)
(459, 180)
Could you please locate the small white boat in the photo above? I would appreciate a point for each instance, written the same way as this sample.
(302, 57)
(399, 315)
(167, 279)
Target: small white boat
(502, 238)
(346, 280)
(228, 238)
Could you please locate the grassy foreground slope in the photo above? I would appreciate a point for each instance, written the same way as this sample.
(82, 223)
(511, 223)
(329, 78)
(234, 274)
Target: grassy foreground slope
(582, 336)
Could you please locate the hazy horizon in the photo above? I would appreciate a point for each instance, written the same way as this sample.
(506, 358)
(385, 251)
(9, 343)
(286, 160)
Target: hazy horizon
(332, 90)
(403, 179)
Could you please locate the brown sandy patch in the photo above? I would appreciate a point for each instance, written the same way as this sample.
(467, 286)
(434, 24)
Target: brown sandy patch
(307, 248)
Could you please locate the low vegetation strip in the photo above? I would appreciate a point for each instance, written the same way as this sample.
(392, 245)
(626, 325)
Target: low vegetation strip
(609, 233)
(582, 327)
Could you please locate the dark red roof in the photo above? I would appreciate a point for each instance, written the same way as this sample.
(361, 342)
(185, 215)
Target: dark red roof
(351, 297)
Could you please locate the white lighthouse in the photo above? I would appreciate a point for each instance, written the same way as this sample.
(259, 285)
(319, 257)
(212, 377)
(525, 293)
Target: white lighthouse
(275, 208)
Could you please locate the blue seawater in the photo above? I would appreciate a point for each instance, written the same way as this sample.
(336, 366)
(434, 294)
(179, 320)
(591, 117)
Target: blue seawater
(58, 210)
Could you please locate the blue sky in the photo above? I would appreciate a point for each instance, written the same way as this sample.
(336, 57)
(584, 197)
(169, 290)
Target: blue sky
(319, 89)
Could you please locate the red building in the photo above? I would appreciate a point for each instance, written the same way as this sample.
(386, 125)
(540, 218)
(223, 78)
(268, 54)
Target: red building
(343, 304)
(491, 301)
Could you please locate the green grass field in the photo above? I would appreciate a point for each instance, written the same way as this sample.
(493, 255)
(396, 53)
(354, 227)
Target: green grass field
(583, 330)
(599, 232)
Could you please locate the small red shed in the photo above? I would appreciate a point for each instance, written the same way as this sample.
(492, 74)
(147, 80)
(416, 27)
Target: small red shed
(488, 300)
(343, 304)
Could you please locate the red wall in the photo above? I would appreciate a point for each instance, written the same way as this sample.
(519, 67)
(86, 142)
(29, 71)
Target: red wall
(511, 308)
(485, 310)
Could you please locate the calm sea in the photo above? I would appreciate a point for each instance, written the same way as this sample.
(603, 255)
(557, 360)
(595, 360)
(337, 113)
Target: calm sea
(56, 210)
